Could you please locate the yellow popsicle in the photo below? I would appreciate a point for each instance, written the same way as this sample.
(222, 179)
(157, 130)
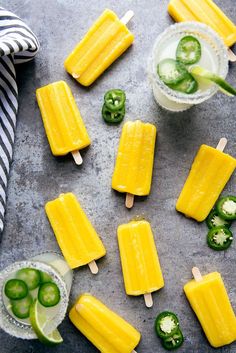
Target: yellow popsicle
(209, 300)
(109, 332)
(105, 41)
(134, 163)
(139, 259)
(205, 11)
(64, 126)
(210, 171)
(78, 240)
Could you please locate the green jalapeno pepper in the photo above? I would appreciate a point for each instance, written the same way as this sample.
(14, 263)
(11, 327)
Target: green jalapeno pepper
(113, 117)
(174, 341)
(214, 220)
(114, 100)
(219, 238)
(166, 324)
(226, 207)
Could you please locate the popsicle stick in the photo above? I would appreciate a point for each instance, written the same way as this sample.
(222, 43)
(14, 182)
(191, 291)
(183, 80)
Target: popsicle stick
(148, 300)
(77, 157)
(197, 274)
(129, 200)
(231, 56)
(133, 351)
(222, 143)
(75, 75)
(93, 267)
(127, 17)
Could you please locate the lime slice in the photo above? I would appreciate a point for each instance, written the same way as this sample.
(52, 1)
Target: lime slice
(225, 87)
(38, 322)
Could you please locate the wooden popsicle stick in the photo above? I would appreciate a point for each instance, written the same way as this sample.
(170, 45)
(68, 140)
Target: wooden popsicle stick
(133, 351)
(231, 56)
(148, 300)
(75, 75)
(93, 267)
(77, 157)
(129, 200)
(127, 17)
(222, 143)
(197, 274)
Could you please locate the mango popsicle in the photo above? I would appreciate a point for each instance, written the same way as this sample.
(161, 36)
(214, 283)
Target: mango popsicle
(210, 171)
(205, 11)
(78, 240)
(139, 260)
(64, 126)
(209, 300)
(105, 41)
(134, 163)
(105, 329)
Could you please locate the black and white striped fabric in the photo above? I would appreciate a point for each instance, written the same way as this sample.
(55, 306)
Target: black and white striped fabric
(18, 44)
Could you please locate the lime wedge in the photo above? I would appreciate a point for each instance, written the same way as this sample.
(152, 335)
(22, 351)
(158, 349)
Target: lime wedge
(224, 86)
(38, 322)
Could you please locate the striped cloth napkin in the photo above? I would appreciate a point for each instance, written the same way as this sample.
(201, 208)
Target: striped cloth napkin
(18, 44)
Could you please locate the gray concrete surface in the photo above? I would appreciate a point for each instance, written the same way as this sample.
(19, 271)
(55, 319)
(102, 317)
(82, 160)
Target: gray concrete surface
(37, 176)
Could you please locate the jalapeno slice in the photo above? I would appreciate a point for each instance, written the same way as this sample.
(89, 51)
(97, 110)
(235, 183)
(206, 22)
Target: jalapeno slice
(21, 307)
(173, 342)
(16, 289)
(219, 238)
(214, 220)
(226, 207)
(188, 50)
(115, 100)
(166, 324)
(49, 294)
(30, 276)
(171, 71)
(113, 117)
(188, 85)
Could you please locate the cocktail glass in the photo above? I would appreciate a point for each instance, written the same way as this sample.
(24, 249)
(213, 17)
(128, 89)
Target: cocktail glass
(55, 266)
(214, 58)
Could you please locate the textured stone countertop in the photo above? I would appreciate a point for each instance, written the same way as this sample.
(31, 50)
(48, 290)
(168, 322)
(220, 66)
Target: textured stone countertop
(37, 176)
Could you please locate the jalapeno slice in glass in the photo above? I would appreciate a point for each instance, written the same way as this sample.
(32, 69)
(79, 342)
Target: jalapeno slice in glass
(113, 117)
(171, 71)
(15, 289)
(21, 307)
(188, 50)
(214, 220)
(173, 342)
(226, 207)
(219, 238)
(188, 85)
(115, 100)
(166, 324)
(30, 276)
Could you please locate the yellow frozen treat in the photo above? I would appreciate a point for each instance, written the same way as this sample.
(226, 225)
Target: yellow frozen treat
(75, 234)
(105, 41)
(105, 329)
(139, 259)
(62, 120)
(205, 11)
(209, 300)
(134, 163)
(210, 171)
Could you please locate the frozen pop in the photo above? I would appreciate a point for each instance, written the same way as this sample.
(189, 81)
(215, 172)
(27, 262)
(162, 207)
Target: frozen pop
(78, 240)
(105, 329)
(134, 163)
(105, 41)
(209, 300)
(139, 260)
(210, 171)
(64, 126)
(205, 11)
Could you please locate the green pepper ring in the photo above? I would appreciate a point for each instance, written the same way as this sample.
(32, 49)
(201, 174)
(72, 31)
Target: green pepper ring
(213, 245)
(219, 206)
(115, 95)
(159, 332)
(112, 117)
(166, 343)
(213, 213)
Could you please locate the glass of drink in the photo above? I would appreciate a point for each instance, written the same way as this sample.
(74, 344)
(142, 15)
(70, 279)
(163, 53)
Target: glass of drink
(213, 58)
(54, 269)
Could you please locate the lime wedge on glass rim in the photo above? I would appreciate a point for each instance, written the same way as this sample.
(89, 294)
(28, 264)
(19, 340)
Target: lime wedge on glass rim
(38, 322)
(224, 86)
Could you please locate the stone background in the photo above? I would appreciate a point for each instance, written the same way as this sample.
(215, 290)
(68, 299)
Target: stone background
(37, 176)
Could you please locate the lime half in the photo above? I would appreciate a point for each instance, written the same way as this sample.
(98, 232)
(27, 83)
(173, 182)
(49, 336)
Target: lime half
(38, 322)
(224, 86)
